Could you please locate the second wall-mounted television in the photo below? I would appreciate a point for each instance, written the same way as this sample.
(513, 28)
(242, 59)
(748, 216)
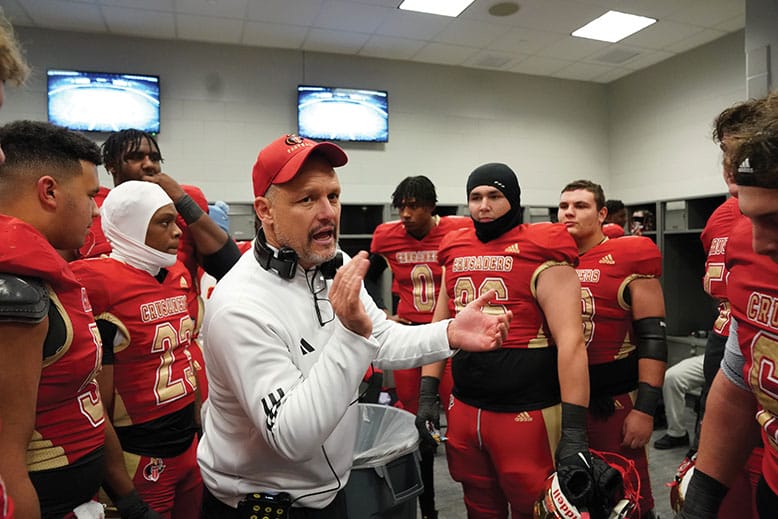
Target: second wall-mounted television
(103, 101)
(342, 114)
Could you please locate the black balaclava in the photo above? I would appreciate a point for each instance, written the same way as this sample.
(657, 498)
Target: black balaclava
(503, 178)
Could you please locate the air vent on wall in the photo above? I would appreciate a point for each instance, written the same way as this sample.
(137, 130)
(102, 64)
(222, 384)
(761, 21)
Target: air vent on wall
(617, 56)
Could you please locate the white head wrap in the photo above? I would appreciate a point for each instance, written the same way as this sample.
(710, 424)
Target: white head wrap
(126, 213)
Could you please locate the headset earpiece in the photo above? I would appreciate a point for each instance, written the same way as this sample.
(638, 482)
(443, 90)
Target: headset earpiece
(284, 264)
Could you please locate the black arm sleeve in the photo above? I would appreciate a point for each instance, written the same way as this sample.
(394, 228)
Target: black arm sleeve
(373, 279)
(107, 336)
(651, 340)
(221, 261)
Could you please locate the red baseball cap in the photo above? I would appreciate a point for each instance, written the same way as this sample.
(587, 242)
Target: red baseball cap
(280, 160)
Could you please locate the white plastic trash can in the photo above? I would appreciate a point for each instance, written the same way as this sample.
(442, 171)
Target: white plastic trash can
(386, 476)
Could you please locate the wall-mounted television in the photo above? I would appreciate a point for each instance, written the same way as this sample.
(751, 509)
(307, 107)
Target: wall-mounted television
(103, 101)
(342, 114)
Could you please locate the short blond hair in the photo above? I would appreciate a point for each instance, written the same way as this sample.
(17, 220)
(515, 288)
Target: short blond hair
(12, 65)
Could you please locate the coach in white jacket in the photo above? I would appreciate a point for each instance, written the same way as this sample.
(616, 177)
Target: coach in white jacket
(286, 347)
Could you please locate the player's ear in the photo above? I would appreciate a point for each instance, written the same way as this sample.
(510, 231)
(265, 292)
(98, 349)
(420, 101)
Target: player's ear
(46, 188)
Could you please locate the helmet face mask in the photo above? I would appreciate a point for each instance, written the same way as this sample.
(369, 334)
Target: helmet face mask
(553, 504)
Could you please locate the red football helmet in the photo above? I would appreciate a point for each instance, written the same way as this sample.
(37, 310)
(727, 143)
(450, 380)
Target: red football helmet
(681, 482)
(554, 505)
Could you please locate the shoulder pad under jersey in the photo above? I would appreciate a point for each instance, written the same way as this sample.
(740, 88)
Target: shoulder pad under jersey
(22, 300)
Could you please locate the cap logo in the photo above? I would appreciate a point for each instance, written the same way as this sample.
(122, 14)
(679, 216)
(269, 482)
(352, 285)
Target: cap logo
(500, 185)
(293, 139)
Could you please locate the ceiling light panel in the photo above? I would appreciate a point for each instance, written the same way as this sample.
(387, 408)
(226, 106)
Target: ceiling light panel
(613, 26)
(451, 8)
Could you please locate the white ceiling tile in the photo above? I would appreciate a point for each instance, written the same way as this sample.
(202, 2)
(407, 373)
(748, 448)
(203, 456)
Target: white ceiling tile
(700, 38)
(202, 28)
(661, 34)
(647, 58)
(339, 42)
(65, 15)
(494, 60)
(155, 5)
(525, 40)
(582, 71)
(292, 12)
(140, 22)
(263, 34)
(708, 13)
(350, 16)
(615, 55)
(612, 75)
(220, 8)
(480, 11)
(535, 40)
(470, 33)
(416, 26)
(382, 3)
(538, 65)
(444, 53)
(733, 24)
(573, 48)
(391, 48)
(657, 9)
(563, 16)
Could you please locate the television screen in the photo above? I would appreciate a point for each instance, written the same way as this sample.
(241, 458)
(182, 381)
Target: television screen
(103, 102)
(342, 114)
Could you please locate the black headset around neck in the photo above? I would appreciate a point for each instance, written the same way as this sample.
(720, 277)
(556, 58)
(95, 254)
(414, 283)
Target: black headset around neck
(284, 262)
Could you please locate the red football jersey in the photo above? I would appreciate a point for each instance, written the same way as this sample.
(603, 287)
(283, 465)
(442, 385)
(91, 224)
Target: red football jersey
(714, 240)
(153, 374)
(605, 271)
(414, 264)
(753, 297)
(69, 417)
(97, 245)
(509, 264)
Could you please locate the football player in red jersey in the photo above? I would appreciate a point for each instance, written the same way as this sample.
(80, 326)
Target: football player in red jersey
(140, 299)
(13, 68)
(410, 247)
(135, 155)
(55, 444)
(505, 417)
(745, 386)
(623, 321)
(741, 495)
(715, 235)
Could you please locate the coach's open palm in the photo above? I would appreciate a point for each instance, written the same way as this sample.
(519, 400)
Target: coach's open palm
(474, 330)
(344, 295)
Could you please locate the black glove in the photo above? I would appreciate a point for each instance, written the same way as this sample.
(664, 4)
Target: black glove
(703, 497)
(608, 488)
(132, 506)
(573, 460)
(429, 412)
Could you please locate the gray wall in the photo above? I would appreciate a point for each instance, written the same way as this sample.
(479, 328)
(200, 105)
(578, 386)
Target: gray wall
(643, 137)
(660, 122)
(761, 46)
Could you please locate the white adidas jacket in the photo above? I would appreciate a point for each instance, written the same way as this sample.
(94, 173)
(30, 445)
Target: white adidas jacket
(282, 388)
